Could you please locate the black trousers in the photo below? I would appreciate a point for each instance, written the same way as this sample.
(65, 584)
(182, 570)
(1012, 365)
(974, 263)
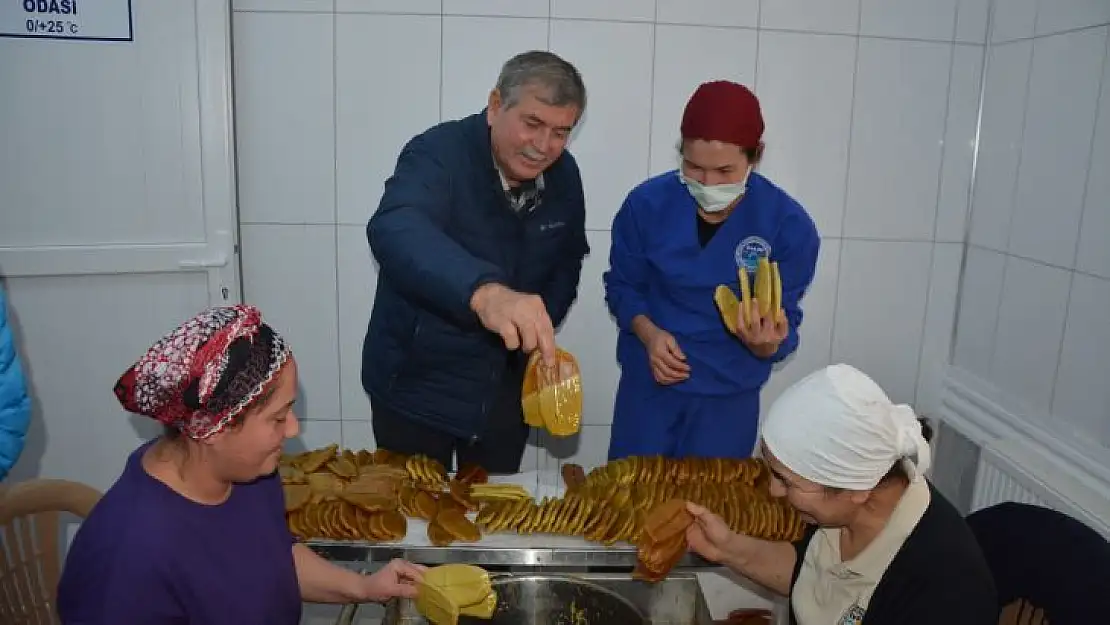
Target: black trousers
(498, 450)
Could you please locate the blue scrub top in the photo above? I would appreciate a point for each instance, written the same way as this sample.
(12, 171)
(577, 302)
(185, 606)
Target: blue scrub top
(658, 268)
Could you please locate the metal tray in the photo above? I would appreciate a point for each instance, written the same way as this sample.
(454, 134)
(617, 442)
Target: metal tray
(598, 599)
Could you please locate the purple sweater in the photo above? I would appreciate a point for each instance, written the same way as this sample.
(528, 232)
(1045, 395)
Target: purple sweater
(148, 556)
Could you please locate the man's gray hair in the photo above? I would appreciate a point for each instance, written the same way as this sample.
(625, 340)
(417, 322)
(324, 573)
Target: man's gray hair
(557, 77)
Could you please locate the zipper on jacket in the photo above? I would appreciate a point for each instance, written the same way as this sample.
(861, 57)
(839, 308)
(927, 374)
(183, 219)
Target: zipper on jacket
(406, 358)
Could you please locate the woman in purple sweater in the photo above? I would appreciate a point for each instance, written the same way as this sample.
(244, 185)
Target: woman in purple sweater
(194, 532)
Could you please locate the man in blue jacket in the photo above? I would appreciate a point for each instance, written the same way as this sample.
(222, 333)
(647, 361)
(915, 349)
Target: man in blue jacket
(15, 405)
(479, 236)
(688, 386)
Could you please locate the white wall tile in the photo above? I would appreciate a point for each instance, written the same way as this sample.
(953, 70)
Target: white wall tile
(971, 21)
(379, 108)
(423, 7)
(1094, 236)
(357, 280)
(1082, 395)
(358, 435)
(622, 10)
(497, 8)
(708, 12)
(284, 117)
(1003, 118)
(1059, 123)
(1054, 16)
(805, 89)
(1013, 19)
(615, 60)
(977, 318)
(880, 311)
(909, 19)
(829, 16)
(940, 319)
(590, 333)
(532, 452)
(305, 6)
(959, 143)
(1030, 328)
(589, 448)
(897, 129)
(314, 435)
(815, 344)
(475, 48)
(289, 273)
(685, 57)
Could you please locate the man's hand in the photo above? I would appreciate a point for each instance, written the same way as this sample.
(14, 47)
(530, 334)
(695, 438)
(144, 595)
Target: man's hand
(520, 318)
(763, 333)
(668, 363)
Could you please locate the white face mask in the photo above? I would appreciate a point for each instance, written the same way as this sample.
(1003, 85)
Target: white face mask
(718, 197)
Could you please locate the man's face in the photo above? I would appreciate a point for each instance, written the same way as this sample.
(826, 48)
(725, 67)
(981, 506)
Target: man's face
(529, 136)
(713, 162)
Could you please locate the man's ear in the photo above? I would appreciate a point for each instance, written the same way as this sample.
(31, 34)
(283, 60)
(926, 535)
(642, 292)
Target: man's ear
(494, 103)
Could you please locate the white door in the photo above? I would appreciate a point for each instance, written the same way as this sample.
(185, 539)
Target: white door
(117, 212)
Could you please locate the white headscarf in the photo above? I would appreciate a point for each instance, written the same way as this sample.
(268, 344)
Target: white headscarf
(837, 428)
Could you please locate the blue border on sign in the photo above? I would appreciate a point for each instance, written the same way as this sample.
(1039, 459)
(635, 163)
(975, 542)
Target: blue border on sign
(130, 32)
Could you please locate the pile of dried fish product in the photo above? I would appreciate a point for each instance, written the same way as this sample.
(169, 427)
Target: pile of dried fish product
(611, 504)
(369, 496)
(366, 496)
(663, 542)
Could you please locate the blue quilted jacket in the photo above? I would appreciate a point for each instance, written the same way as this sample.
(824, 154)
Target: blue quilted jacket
(15, 405)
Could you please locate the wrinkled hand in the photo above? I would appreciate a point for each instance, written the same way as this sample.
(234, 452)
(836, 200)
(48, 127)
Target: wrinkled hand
(764, 333)
(398, 578)
(520, 318)
(708, 535)
(668, 363)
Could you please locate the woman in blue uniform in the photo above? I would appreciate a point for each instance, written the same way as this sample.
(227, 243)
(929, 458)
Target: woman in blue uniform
(689, 387)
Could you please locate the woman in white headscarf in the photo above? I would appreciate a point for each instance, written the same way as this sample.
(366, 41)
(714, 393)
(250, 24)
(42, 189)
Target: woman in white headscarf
(883, 546)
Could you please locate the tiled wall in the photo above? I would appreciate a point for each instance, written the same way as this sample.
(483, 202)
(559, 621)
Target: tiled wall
(871, 108)
(1034, 315)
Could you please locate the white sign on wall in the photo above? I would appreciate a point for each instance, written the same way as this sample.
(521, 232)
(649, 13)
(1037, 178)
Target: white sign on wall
(93, 20)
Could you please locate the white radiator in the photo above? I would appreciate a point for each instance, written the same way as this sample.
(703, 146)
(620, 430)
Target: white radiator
(1019, 463)
(993, 485)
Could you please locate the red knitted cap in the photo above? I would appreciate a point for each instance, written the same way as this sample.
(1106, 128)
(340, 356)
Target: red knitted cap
(722, 110)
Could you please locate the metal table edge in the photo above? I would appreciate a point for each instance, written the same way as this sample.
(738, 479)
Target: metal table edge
(355, 552)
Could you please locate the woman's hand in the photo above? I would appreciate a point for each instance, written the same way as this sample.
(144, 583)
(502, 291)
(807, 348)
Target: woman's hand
(398, 578)
(768, 563)
(708, 535)
(764, 333)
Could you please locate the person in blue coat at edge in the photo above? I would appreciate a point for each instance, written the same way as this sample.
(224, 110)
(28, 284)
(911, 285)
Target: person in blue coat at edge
(15, 405)
(480, 237)
(688, 386)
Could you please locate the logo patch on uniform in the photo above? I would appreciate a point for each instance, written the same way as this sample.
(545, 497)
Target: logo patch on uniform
(750, 250)
(852, 616)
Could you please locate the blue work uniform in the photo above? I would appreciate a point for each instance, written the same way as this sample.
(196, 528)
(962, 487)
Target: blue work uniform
(658, 268)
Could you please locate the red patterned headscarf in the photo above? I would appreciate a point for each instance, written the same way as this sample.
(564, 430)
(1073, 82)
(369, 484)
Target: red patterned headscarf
(202, 375)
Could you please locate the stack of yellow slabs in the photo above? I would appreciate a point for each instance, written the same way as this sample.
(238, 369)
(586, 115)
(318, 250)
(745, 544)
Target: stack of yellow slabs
(552, 396)
(453, 590)
(768, 295)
